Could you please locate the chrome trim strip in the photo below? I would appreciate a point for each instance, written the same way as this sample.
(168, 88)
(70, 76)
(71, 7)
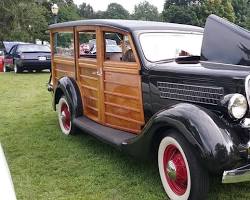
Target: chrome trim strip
(247, 89)
(226, 64)
(241, 174)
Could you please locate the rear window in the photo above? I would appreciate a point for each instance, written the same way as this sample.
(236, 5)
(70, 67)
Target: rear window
(33, 48)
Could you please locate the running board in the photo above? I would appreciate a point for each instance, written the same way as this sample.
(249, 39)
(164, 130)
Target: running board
(106, 134)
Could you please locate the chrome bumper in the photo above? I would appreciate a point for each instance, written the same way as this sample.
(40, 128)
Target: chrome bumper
(241, 174)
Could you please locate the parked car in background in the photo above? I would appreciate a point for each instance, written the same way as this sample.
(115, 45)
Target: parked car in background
(7, 190)
(27, 57)
(5, 47)
(1, 60)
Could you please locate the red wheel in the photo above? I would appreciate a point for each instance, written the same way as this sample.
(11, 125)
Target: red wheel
(64, 116)
(175, 169)
(181, 174)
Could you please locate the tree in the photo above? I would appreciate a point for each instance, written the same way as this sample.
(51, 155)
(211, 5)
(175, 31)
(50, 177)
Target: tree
(169, 3)
(241, 10)
(146, 11)
(247, 22)
(86, 11)
(68, 13)
(181, 15)
(196, 12)
(22, 20)
(222, 8)
(116, 11)
(182, 12)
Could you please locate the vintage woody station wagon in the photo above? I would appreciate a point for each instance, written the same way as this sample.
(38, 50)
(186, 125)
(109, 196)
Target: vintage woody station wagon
(175, 92)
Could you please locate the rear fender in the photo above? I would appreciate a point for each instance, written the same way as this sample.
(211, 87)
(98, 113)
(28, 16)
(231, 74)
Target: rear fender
(68, 87)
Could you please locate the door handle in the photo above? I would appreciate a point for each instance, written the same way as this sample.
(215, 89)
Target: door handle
(99, 72)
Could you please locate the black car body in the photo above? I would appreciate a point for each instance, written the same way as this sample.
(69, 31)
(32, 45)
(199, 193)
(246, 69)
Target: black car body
(28, 57)
(197, 105)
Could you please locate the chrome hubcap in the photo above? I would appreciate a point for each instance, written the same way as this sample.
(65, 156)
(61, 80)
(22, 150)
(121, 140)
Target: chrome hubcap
(63, 117)
(171, 170)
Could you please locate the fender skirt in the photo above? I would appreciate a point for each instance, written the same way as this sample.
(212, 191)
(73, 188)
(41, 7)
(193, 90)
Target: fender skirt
(214, 143)
(67, 86)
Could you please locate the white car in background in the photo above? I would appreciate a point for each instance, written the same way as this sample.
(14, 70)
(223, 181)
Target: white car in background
(7, 191)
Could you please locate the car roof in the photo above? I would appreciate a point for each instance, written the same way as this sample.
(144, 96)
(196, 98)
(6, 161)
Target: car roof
(129, 25)
(27, 44)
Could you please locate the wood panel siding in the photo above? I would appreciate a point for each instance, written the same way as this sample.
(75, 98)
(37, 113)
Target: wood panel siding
(63, 66)
(88, 82)
(122, 98)
(110, 90)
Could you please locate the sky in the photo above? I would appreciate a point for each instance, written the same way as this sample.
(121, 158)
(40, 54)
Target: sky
(127, 4)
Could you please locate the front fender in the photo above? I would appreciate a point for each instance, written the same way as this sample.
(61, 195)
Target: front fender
(215, 144)
(68, 87)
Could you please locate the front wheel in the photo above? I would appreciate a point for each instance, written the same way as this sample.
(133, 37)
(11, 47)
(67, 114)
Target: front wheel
(182, 176)
(65, 117)
(17, 69)
(5, 69)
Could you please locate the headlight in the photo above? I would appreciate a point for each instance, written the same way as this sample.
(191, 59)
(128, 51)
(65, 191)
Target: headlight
(237, 106)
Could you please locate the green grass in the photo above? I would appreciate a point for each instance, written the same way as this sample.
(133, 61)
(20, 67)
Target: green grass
(48, 165)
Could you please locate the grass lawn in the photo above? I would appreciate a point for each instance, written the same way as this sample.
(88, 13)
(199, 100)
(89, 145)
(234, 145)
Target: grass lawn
(48, 165)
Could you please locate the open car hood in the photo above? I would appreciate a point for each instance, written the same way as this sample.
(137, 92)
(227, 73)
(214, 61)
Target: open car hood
(9, 45)
(225, 42)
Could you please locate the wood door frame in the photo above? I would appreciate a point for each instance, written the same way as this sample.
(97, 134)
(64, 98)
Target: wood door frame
(59, 58)
(98, 62)
(132, 68)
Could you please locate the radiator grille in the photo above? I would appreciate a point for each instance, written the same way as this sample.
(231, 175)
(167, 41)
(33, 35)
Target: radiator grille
(191, 93)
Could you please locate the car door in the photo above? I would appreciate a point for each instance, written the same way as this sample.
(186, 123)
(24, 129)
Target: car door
(89, 72)
(122, 94)
(9, 58)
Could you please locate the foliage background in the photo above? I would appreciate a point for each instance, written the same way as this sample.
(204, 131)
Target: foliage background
(27, 20)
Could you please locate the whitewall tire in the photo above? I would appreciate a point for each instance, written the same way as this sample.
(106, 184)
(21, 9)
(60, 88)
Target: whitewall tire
(181, 174)
(64, 116)
(16, 69)
(5, 69)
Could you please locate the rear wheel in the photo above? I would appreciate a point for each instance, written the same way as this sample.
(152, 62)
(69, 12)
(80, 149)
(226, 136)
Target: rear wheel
(5, 68)
(182, 176)
(17, 69)
(65, 117)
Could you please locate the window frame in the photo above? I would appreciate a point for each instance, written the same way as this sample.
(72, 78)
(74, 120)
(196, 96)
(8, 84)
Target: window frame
(52, 40)
(78, 43)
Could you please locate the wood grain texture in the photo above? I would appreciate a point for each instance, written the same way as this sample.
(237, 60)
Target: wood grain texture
(111, 90)
(63, 66)
(123, 107)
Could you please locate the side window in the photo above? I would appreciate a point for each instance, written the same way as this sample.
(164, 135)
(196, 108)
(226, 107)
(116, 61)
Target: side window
(118, 47)
(64, 44)
(18, 49)
(12, 50)
(87, 44)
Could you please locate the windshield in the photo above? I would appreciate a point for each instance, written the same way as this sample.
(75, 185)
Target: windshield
(33, 48)
(166, 46)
